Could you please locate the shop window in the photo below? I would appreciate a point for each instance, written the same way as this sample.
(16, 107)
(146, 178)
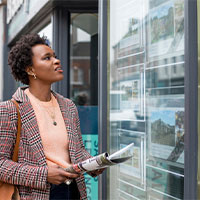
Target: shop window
(77, 76)
(84, 83)
(146, 98)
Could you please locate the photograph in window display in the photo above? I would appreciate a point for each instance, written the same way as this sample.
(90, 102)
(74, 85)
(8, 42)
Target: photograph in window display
(165, 132)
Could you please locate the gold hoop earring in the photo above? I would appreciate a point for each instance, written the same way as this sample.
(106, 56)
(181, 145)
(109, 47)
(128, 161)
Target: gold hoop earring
(34, 76)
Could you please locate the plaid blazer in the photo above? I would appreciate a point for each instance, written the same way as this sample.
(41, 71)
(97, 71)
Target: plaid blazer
(30, 172)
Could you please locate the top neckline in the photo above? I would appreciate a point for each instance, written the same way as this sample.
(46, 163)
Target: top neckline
(51, 103)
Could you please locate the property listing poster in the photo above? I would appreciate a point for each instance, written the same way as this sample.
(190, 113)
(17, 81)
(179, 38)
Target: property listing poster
(166, 128)
(166, 24)
(132, 172)
(130, 15)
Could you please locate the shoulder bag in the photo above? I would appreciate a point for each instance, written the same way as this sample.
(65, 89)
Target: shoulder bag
(9, 191)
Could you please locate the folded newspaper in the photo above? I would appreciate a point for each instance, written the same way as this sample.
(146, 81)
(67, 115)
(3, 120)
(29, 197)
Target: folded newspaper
(103, 160)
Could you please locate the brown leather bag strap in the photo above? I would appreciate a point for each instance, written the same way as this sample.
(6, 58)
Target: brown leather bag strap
(16, 148)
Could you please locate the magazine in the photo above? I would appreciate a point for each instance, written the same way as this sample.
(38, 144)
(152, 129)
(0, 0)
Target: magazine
(103, 160)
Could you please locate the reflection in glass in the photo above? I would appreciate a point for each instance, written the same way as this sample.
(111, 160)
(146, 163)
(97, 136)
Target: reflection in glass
(84, 83)
(146, 90)
(47, 32)
(83, 58)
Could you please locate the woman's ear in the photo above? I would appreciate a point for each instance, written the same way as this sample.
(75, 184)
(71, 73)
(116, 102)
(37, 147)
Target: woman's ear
(29, 71)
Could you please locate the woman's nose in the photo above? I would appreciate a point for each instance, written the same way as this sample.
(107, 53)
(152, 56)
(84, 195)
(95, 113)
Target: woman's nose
(56, 61)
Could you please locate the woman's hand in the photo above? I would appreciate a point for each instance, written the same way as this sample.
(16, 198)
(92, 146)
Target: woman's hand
(96, 172)
(57, 175)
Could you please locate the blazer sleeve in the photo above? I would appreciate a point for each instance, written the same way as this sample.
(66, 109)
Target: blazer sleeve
(10, 171)
(85, 155)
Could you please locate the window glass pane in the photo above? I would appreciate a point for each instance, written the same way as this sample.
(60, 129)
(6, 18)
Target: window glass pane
(47, 31)
(146, 93)
(84, 83)
(83, 58)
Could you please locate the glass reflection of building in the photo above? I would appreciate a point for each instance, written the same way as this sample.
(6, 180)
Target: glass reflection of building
(147, 97)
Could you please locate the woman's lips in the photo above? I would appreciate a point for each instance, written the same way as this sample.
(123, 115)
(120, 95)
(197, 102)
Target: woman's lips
(59, 69)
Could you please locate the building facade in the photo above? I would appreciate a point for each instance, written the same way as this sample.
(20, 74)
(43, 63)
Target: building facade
(131, 67)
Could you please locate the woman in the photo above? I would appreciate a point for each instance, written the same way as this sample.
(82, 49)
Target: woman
(50, 138)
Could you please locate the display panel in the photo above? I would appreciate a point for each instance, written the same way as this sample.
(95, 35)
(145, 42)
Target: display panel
(146, 97)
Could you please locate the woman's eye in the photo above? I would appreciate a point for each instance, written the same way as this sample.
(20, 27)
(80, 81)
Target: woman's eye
(47, 58)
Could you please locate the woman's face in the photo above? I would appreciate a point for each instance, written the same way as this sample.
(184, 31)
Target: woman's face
(46, 66)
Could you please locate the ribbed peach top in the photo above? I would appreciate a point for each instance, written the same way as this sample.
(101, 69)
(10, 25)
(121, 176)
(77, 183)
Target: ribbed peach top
(54, 138)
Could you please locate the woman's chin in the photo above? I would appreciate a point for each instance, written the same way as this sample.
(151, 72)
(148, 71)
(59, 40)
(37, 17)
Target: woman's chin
(60, 78)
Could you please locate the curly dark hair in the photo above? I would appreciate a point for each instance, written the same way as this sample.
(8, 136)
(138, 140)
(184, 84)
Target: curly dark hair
(20, 56)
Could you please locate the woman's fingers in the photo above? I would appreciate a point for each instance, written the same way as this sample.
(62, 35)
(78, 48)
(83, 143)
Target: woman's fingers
(58, 175)
(69, 174)
(96, 172)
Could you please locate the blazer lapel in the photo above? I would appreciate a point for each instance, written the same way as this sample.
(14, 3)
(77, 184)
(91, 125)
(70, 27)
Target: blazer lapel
(30, 125)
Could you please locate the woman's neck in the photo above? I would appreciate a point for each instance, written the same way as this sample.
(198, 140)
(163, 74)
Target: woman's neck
(41, 93)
